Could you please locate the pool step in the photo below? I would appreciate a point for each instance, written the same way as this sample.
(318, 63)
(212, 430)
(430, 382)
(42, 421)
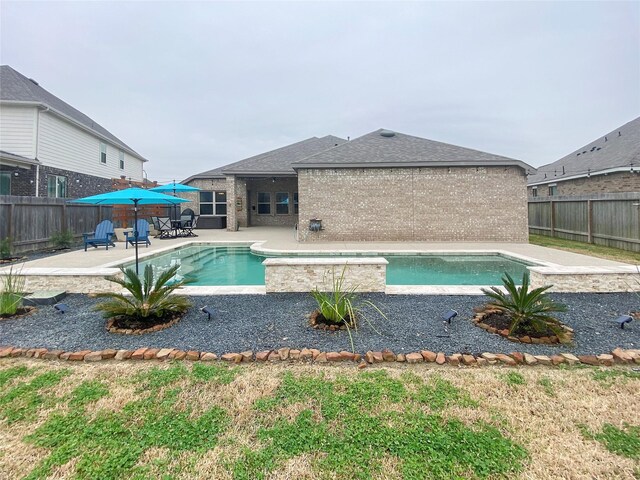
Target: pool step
(44, 297)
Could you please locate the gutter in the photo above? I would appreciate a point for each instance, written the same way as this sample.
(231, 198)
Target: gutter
(583, 175)
(464, 163)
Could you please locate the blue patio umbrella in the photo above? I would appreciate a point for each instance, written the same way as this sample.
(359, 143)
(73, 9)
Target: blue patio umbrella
(135, 197)
(175, 188)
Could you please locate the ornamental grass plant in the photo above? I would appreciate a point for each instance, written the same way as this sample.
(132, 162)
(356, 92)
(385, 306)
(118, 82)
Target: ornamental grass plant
(342, 305)
(12, 292)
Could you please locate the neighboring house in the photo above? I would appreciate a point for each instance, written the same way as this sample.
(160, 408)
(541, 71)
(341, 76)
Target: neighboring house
(382, 186)
(609, 164)
(50, 149)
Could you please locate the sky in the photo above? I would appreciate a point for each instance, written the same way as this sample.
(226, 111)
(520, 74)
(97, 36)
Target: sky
(195, 85)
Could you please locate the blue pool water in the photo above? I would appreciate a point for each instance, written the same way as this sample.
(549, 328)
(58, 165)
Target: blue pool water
(207, 265)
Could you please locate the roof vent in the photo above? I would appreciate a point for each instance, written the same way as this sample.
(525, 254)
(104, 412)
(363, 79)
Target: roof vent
(33, 81)
(387, 133)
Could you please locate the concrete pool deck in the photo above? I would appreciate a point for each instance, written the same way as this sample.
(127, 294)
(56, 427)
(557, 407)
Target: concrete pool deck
(94, 264)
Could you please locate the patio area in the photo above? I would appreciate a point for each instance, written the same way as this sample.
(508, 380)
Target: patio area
(84, 272)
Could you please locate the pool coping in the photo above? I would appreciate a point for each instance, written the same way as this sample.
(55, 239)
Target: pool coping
(257, 246)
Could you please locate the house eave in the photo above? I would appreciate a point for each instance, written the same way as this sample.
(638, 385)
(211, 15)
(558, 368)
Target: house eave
(583, 175)
(465, 163)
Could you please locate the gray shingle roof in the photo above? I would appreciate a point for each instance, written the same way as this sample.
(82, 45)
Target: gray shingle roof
(15, 87)
(617, 149)
(399, 150)
(280, 161)
(275, 162)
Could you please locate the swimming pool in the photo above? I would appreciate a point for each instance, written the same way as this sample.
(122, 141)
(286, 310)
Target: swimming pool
(208, 265)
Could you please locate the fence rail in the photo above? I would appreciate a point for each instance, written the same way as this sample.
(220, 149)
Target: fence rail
(611, 219)
(30, 222)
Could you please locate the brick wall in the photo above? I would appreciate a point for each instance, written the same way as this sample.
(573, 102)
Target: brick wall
(611, 183)
(421, 204)
(78, 184)
(24, 182)
(268, 185)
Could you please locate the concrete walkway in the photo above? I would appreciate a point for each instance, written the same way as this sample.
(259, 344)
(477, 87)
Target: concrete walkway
(282, 240)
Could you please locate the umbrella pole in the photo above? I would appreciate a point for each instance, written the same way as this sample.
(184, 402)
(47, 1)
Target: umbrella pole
(135, 230)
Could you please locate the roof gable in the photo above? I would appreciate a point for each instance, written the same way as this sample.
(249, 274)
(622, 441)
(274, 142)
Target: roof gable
(385, 148)
(274, 162)
(15, 87)
(619, 148)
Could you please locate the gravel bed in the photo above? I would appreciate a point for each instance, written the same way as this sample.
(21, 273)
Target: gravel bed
(264, 322)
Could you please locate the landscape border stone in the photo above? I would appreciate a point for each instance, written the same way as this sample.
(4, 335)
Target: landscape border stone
(618, 356)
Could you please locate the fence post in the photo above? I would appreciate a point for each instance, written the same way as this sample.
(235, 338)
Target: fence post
(64, 217)
(10, 225)
(589, 221)
(552, 215)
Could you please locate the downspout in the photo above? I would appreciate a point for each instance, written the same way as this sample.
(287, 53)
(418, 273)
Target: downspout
(37, 147)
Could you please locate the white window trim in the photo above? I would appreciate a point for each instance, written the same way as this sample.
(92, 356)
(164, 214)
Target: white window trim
(121, 160)
(101, 152)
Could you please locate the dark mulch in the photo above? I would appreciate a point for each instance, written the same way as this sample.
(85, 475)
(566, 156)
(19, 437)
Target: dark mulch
(264, 322)
(503, 322)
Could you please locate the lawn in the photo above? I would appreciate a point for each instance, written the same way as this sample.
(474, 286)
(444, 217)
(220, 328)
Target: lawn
(586, 249)
(183, 420)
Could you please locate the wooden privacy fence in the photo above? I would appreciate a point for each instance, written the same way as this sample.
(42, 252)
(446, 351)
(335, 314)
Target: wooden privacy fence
(604, 219)
(31, 221)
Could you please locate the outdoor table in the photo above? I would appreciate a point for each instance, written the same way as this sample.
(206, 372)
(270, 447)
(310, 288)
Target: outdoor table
(177, 225)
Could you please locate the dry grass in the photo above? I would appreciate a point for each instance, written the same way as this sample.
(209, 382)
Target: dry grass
(544, 422)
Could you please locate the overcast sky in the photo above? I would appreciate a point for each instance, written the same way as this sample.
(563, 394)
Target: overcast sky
(195, 85)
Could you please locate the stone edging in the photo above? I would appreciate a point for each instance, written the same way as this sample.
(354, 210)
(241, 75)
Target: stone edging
(130, 331)
(617, 356)
(550, 340)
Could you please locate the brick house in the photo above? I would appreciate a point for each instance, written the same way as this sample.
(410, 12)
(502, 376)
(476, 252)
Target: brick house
(50, 149)
(383, 186)
(609, 164)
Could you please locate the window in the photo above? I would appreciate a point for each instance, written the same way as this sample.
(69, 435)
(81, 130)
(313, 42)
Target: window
(282, 203)
(56, 186)
(213, 203)
(206, 203)
(295, 203)
(553, 190)
(5, 183)
(221, 203)
(534, 191)
(264, 203)
(103, 153)
(121, 156)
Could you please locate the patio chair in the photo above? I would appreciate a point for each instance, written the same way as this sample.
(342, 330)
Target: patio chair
(101, 236)
(164, 227)
(154, 222)
(143, 234)
(187, 228)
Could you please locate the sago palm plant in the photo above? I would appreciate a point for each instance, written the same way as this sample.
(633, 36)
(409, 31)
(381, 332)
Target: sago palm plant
(529, 310)
(149, 300)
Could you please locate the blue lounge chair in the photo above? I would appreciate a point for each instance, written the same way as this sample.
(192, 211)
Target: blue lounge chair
(102, 236)
(143, 234)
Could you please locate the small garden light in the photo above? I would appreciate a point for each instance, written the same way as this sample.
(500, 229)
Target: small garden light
(623, 319)
(208, 310)
(449, 315)
(61, 307)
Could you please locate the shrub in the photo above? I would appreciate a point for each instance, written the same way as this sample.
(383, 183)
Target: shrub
(5, 248)
(341, 306)
(148, 301)
(528, 309)
(63, 239)
(12, 292)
